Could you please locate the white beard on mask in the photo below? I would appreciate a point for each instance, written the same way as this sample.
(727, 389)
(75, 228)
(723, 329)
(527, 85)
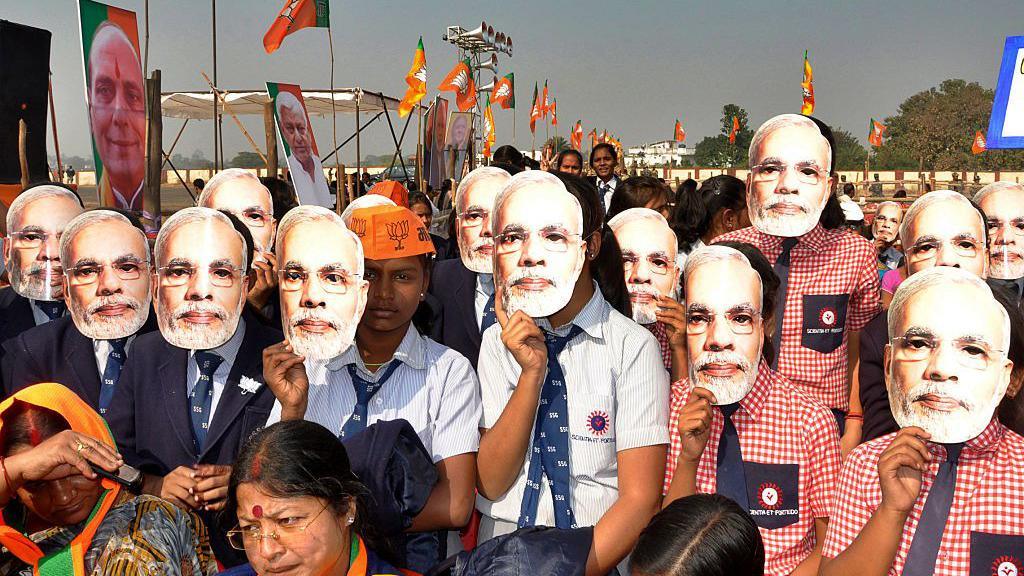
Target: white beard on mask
(726, 390)
(960, 425)
(1006, 263)
(320, 346)
(543, 303)
(42, 281)
(478, 258)
(785, 225)
(197, 336)
(99, 327)
(644, 312)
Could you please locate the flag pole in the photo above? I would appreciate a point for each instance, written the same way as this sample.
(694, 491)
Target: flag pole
(419, 149)
(339, 178)
(513, 126)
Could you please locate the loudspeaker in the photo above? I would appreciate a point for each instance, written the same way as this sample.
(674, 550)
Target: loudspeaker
(24, 77)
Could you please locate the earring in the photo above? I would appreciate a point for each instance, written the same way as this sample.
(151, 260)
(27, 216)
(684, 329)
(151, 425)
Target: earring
(351, 520)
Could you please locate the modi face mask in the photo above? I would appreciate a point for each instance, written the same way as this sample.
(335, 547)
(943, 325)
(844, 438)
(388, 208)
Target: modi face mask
(201, 279)
(322, 291)
(32, 250)
(946, 373)
(107, 275)
(789, 185)
(1004, 209)
(648, 248)
(474, 203)
(539, 251)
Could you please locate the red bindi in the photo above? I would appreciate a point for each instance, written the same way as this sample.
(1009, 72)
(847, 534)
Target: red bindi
(257, 511)
(35, 437)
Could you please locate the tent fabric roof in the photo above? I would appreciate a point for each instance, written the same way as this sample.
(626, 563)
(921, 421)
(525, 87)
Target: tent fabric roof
(199, 105)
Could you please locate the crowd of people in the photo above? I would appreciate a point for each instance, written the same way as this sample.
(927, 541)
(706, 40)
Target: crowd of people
(568, 374)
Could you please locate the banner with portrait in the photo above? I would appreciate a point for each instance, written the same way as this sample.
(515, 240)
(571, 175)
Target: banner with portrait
(116, 97)
(458, 138)
(296, 135)
(433, 143)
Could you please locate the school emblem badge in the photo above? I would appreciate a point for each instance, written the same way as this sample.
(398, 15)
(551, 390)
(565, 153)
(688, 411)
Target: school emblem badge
(1006, 566)
(828, 317)
(598, 422)
(769, 495)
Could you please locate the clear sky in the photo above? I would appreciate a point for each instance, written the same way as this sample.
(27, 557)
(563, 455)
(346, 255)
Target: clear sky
(630, 66)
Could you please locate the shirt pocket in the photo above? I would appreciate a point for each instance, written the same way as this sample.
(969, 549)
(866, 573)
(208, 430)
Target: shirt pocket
(824, 321)
(996, 554)
(592, 436)
(773, 493)
(253, 421)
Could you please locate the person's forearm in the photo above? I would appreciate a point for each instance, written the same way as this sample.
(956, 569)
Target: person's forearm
(450, 503)
(504, 446)
(874, 549)
(684, 481)
(810, 565)
(617, 531)
(152, 484)
(11, 479)
(853, 372)
(680, 365)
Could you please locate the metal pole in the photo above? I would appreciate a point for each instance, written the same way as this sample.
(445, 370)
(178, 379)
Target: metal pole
(339, 176)
(53, 124)
(359, 157)
(145, 58)
(154, 155)
(216, 114)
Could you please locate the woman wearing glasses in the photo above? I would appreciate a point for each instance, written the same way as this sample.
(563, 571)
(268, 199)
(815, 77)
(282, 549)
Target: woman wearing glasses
(330, 274)
(300, 508)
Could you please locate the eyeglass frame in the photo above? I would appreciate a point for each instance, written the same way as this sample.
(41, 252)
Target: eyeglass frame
(989, 225)
(988, 362)
(15, 237)
(485, 213)
(631, 266)
(258, 536)
(978, 248)
(236, 273)
(529, 234)
(758, 316)
(758, 175)
(268, 217)
(323, 285)
(69, 271)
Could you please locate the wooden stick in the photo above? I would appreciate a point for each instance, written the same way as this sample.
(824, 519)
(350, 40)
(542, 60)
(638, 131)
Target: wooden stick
(53, 124)
(224, 105)
(23, 152)
(338, 180)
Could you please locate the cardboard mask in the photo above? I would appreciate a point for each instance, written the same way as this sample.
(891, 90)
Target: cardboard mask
(474, 209)
(648, 248)
(107, 275)
(1003, 204)
(321, 284)
(36, 219)
(539, 250)
(201, 281)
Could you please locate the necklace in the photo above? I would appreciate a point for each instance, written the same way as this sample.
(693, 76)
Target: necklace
(377, 365)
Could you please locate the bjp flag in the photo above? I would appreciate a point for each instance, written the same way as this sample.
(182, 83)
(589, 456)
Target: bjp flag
(735, 130)
(535, 112)
(505, 91)
(680, 133)
(488, 129)
(978, 146)
(808, 87)
(296, 15)
(460, 81)
(577, 136)
(544, 102)
(593, 136)
(875, 131)
(554, 112)
(417, 81)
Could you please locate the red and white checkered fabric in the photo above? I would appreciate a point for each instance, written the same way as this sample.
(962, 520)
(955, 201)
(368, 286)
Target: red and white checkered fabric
(824, 262)
(987, 498)
(779, 424)
(659, 331)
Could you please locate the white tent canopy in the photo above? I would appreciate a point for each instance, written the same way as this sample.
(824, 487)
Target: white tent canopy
(199, 105)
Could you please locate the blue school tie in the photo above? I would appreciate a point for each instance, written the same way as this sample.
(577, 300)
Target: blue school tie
(112, 371)
(781, 268)
(549, 453)
(53, 310)
(924, 548)
(364, 392)
(202, 396)
(730, 478)
(489, 315)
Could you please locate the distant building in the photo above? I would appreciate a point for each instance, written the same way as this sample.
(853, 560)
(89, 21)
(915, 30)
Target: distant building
(659, 154)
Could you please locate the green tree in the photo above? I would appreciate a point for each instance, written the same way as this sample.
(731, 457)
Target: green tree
(247, 160)
(716, 151)
(557, 144)
(850, 155)
(935, 128)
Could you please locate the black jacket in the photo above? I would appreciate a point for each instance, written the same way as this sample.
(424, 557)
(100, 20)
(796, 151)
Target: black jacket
(455, 325)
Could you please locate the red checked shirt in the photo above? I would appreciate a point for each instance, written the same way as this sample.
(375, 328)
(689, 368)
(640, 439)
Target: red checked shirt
(984, 533)
(833, 290)
(658, 329)
(790, 447)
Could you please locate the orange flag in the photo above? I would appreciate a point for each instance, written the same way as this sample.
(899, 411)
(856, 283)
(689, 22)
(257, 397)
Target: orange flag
(488, 128)
(978, 146)
(680, 133)
(554, 112)
(875, 131)
(417, 81)
(577, 135)
(296, 15)
(735, 130)
(544, 109)
(535, 111)
(460, 81)
(593, 136)
(504, 91)
(808, 87)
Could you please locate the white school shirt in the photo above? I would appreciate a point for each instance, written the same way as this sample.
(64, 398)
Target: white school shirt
(229, 352)
(434, 389)
(101, 350)
(484, 290)
(613, 369)
(608, 195)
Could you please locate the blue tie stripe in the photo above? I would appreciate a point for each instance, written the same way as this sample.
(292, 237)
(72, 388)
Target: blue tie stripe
(53, 310)
(365, 391)
(924, 547)
(112, 372)
(550, 451)
(730, 477)
(490, 317)
(202, 396)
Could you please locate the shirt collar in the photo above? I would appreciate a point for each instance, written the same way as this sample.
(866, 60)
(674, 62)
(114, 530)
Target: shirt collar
(981, 445)
(590, 319)
(755, 399)
(485, 283)
(228, 350)
(411, 351)
(816, 239)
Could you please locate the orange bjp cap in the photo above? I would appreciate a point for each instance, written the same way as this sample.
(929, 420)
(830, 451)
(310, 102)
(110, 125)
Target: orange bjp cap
(393, 190)
(390, 232)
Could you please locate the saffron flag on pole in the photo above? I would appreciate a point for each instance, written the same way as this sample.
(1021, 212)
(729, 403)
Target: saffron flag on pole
(875, 131)
(460, 81)
(735, 130)
(808, 87)
(544, 102)
(535, 113)
(593, 136)
(978, 146)
(505, 91)
(604, 137)
(488, 128)
(577, 136)
(680, 133)
(296, 15)
(417, 81)
(554, 112)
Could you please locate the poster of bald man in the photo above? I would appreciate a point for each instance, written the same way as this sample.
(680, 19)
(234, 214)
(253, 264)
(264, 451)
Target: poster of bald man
(307, 173)
(116, 97)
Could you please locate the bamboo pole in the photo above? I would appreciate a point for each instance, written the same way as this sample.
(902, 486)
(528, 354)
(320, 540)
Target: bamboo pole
(270, 133)
(224, 105)
(23, 152)
(154, 156)
(338, 173)
(53, 125)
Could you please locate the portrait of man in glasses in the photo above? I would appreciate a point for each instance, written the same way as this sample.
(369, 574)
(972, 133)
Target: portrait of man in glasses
(323, 293)
(648, 247)
(35, 221)
(538, 254)
(107, 275)
(200, 283)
